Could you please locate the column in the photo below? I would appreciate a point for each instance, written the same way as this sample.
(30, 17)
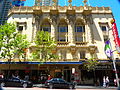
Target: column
(53, 29)
(70, 32)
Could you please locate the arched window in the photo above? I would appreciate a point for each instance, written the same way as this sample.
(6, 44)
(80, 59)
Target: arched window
(79, 31)
(46, 26)
(62, 31)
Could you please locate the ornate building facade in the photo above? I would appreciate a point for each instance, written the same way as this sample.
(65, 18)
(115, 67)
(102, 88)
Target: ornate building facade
(80, 33)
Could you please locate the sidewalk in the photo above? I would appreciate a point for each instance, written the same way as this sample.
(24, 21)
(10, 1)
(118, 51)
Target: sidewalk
(82, 87)
(95, 87)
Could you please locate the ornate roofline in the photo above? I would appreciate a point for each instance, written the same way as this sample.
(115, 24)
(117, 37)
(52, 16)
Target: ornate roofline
(60, 9)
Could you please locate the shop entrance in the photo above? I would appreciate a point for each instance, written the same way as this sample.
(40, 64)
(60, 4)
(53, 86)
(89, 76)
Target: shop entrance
(67, 75)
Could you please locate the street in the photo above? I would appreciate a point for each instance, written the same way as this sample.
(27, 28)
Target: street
(49, 89)
(37, 88)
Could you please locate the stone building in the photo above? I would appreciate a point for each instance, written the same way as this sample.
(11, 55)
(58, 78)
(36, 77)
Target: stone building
(80, 33)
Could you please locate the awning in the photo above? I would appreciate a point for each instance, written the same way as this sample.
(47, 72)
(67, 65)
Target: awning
(80, 62)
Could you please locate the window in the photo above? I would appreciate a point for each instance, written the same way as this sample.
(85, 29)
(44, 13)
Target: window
(47, 29)
(79, 39)
(79, 29)
(104, 28)
(20, 28)
(63, 29)
(61, 39)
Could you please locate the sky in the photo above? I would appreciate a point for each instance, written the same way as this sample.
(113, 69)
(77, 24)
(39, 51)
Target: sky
(113, 4)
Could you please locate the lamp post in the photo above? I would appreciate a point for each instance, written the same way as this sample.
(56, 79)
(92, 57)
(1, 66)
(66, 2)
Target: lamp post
(113, 61)
(112, 56)
(114, 65)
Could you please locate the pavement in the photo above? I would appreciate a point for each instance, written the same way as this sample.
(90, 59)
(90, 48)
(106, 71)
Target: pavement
(82, 87)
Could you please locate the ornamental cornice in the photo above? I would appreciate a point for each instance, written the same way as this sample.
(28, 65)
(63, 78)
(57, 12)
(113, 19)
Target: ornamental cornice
(59, 9)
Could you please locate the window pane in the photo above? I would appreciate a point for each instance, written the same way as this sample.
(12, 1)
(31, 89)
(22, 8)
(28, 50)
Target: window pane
(20, 28)
(47, 29)
(79, 39)
(61, 39)
(103, 28)
(79, 29)
(62, 29)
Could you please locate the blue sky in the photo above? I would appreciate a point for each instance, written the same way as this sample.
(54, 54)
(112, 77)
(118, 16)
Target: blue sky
(113, 4)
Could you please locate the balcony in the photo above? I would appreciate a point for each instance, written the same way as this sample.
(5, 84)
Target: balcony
(62, 43)
(78, 43)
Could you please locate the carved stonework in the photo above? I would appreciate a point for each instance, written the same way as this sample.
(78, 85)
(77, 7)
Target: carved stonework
(88, 19)
(92, 49)
(71, 18)
(73, 50)
(54, 18)
(37, 21)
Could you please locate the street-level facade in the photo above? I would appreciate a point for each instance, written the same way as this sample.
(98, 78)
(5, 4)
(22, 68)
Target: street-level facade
(80, 33)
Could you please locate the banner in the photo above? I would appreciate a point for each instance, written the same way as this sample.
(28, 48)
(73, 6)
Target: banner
(115, 34)
(107, 49)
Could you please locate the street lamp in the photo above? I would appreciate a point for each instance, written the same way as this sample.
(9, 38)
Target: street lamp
(112, 56)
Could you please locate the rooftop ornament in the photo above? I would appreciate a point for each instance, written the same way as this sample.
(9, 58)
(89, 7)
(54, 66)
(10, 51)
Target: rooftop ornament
(70, 1)
(85, 1)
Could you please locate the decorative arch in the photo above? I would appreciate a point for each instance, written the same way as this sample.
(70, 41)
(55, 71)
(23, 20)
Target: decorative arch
(45, 25)
(62, 30)
(80, 21)
(79, 30)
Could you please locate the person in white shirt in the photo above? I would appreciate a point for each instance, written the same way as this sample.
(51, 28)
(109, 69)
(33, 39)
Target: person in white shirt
(107, 81)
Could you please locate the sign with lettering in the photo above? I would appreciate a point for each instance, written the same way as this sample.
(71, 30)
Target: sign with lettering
(115, 34)
(103, 67)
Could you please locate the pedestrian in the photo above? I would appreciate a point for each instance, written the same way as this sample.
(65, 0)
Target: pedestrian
(1, 75)
(49, 77)
(107, 81)
(26, 77)
(104, 82)
(115, 82)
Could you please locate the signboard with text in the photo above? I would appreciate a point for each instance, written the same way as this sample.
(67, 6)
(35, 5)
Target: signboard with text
(115, 35)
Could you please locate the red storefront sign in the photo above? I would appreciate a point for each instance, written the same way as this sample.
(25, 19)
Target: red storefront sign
(115, 34)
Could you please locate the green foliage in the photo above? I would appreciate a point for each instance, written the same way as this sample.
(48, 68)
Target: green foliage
(11, 42)
(44, 46)
(20, 44)
(6, 38)
(90, 64)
